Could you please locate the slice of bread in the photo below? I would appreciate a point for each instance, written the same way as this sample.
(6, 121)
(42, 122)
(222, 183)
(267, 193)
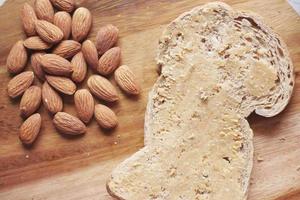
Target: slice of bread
(217, 66)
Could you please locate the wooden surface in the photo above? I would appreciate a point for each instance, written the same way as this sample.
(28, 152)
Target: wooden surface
(57, 167)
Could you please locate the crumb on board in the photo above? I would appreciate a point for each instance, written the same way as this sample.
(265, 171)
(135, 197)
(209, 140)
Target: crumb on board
(260, 159)
(115, 142)
(26, 156)
(282, 139)
(298, 168)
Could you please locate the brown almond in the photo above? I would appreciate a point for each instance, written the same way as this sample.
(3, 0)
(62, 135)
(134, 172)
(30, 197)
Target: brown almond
(65, 5)
(56, 65)
(48, 31)
(67, 48)
(62, 84)
(17, 58)
(105, 117)
(18, 84)
(36, 43)
(68, 124)
(51, 99)
(106, 38)
(30, 101)
(84, 104)
(30, 129)
(81, 23)
(102, 88)
(79, 68)
(28, 18)
(63, 20)
(44, 10)
(90, 54)
(109, 61)
(126, 80)
(35, 61)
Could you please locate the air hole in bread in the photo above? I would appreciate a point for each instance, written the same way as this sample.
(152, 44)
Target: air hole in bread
(291, 83)
(249, 39)
(280, 51)
(227, 159)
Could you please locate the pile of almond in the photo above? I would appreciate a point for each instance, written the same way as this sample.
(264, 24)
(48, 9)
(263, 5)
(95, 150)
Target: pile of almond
(60, 56)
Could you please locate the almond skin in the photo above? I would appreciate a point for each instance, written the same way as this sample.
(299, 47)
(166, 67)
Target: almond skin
(68, 124)
(48, 32)
(106, 38)
(28, 18)
(126, 80)
(109, 61)
(84, 104)
(35, 61)
(79, 68)
(65, 5)
(17, 58)
(30, 101)
(30, 129)
(81, 23)
(17, 85)
(62, 84)
(105, 117)
(90, 54)
(102, 88)
(51, 99)
(63, 20)
(36, 43)
(56, 65)
(44, 10)
(67, 48)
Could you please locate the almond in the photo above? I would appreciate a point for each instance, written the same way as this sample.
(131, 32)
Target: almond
(19, 84)
(48, 32)
(66, 5)
(102, 88)
(56, 65)
(63, 21)
(44, 10)
(30, 129)
(28, 18)
(51, 99)
(17, 58)
(62, 84)
(84, 104)
(90, 53)
(36, 43)
(35, 61)
(81, 23)
(106, 38)
(109, 61)
(30, 101)
(67, 48)
(79, 68)
(126, 80)
(105, 117)
(68, 124)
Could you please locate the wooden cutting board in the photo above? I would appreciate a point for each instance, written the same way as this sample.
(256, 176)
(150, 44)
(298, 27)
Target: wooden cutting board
(58, 167)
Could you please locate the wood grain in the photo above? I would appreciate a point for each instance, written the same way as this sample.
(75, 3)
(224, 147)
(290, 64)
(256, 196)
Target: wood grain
(58, 167)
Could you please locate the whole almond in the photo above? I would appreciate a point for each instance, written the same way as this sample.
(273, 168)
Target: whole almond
(17, 58)
(106, 38)
(105, 117)
(48, 32)
(56, 65)
(109, 61)
(18, 84)
(102, 88)
(67, 48)
(84, 104)
(126, 80)
(65, 5)
(30, 101)
(35, 61)
(79, 68)
(44, 10)
(90, 54)
(36, 43)
(28, 18)
(81, 23)
(51, 99)
(62, 84)
(30, 129)
(63, 21)
(68, 124)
